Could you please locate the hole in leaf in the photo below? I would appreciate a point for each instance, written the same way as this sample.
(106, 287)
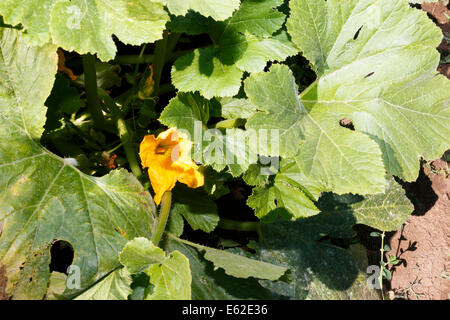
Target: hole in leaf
(357, 33)
(369, 75)
(347, 123)
(61, 256)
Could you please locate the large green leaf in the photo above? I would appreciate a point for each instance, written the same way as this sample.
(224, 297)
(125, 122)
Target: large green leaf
(236, 265)
(87, 26)
(287, 195)
(199, 210)
(218, 10)
(169, 275)
(376, 61)
(334, 157)
(116, 286)
(318, 271)
(44, 197)
(245, 42)
(209, 283)
(385, 212)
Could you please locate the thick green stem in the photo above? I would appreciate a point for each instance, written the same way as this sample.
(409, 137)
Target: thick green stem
(163, 217)
(124, 134)
(163, 50)
(146, 58)
(90, 81)
(160, 60)
(134, 59)
(243, 226)
(382, 264)
(233, 225)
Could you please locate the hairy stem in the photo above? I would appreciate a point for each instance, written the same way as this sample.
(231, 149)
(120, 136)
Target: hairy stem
(164, 48)
(90, 81)
(124, 134)
(164, 211)
(244, 226)
(382, 264)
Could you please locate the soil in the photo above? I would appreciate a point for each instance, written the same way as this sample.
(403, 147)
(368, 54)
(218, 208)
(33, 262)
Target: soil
(423, 243)
(3, 295)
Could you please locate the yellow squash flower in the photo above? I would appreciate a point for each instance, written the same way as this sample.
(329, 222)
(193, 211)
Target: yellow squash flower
(168, 160)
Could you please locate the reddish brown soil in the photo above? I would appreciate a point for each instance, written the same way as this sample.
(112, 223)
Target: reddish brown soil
(3, 295)
(441, 14)
(423, 244)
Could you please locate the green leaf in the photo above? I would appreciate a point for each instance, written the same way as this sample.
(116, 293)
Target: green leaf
(208, 8)
(318, 271)
(243, 43)
(116, 286)
(64, 99)
(175, 224)
(233, 108)
(44, 198)
(170, 275)
(287, 195)
(385, 212)
(212, 77)
(108, 75)
(56, 286)
(335, 158)
(376, 61)
(171, 279)
(238, 266)
(88, 26)
(211, 284)
(387, 274)
(196, 207)
(191, 112)
(139, 254)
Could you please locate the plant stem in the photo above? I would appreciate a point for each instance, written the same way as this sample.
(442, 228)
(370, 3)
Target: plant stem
(146, 58)
(90, 82)
(160, 60)
(163, 50)
(233, 225)
(164, 211)
(382, 264)
(124, 134)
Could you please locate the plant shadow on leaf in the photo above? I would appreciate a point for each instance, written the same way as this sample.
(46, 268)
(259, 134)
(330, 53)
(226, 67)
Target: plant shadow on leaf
(210, 284)
(184, 62)
(206, 63)
(318, 270)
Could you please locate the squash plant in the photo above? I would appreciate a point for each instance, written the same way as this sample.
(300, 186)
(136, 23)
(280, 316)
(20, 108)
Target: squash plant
(224, 90)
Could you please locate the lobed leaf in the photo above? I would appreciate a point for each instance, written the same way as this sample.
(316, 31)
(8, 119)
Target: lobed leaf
(376, 61)
(44, 197)
(243, 43)
(87, 26)
(169, 275)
